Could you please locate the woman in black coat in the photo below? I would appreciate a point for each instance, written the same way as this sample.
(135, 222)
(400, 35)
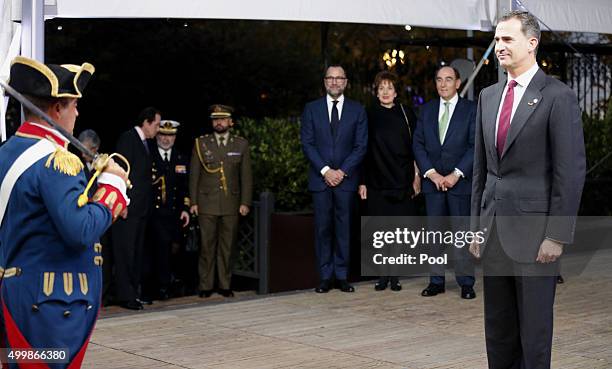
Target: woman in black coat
(390, 178)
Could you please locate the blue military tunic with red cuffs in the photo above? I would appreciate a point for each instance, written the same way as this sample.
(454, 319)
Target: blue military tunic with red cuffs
(49, 255)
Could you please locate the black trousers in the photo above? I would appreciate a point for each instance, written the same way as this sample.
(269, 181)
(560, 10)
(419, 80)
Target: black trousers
(128, 239)
(161, 233)
(390, 203)
(108, 286)
(518, 311)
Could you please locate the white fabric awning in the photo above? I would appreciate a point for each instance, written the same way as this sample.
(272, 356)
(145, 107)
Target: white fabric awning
(560, 15)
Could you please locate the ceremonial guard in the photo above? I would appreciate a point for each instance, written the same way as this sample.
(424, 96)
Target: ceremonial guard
(50, 258)
(170, 210)
(220, 188)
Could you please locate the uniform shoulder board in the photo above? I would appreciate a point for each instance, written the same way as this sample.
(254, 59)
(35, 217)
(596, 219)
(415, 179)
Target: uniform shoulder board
(240, 139)
(64, 162)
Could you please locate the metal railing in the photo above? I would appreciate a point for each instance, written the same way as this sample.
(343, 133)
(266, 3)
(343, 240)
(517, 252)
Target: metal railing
(253, 242)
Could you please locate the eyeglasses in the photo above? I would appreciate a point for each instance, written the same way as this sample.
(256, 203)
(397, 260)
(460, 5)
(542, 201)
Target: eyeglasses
(337, 79)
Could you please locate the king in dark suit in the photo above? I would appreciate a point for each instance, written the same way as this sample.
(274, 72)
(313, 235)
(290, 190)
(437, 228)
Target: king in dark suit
(128, 234)
(444, 148)
(334, 136)
(529, 169)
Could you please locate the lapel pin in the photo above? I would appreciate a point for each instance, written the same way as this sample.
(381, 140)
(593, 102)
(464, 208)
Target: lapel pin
(531, 103)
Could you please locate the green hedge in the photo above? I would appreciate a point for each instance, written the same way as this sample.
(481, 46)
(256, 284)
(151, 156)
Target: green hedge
(596, 197)
(279, 166)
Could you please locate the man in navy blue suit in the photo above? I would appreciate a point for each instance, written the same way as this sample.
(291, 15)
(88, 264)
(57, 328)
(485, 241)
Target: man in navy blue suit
(334, 136)
(444, 150)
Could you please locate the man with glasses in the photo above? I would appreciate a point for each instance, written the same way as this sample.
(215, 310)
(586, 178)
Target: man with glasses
(334, 137)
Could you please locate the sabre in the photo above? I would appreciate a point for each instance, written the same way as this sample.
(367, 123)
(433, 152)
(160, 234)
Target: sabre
(36, 110)
(99, 160)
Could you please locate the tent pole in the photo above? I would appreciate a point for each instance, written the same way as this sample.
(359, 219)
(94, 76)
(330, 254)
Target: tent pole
(33, 29)
(503, 7)
(470, 56)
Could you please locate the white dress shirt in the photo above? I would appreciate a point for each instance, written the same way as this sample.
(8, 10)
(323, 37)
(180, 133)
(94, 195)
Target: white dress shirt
(330, 105)
(140, 133)
(162, 152)
(519, 90)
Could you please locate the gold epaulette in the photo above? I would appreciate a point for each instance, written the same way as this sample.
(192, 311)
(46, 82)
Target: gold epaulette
(65, 162)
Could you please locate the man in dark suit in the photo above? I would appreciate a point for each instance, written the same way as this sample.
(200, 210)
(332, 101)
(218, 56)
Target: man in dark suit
(444, 149)
(529, 168)
(334, 136)
(128, 234)
(169, 212)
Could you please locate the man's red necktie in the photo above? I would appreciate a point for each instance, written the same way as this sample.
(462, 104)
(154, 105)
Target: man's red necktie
(504, 118)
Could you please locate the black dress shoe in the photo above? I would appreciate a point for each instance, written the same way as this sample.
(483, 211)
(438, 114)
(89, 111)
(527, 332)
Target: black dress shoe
(145, 301)
(323, 287)
(560, 279)
(345, 286)
(226, 293)
(205, 293)
(132, 305)
(395, 284)
(432, 290)
(467, 292)
(382, 283)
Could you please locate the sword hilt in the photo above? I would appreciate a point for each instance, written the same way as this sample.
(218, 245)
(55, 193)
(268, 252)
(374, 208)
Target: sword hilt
(100, 163)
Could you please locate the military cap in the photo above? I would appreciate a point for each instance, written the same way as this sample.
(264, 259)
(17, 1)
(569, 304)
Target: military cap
(168, 127)
(34, 78)
(218, 111)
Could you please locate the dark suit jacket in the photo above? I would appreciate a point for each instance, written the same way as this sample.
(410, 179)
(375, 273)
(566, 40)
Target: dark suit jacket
(541, 170)
(130, 146)
(344, 152)
(457, 150)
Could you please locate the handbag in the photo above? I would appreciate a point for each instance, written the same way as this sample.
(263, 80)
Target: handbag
(192, 241)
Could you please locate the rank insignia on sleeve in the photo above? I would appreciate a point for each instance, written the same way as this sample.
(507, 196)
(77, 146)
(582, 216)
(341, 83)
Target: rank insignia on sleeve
(111, 198)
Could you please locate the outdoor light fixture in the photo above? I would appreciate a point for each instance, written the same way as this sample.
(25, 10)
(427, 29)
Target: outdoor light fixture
(407, 27)
(59, 28)
(391, 57)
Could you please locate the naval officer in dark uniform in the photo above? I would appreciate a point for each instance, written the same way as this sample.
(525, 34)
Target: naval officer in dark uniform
(220, 189)
(169, 213)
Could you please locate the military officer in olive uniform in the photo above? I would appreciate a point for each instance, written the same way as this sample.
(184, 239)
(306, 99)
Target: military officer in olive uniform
(170, 210)
(220, 189)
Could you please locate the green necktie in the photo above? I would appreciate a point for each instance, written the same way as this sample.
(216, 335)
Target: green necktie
(443, 122)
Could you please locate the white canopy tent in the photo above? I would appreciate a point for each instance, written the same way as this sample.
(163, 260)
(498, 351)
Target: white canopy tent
(561, 15)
